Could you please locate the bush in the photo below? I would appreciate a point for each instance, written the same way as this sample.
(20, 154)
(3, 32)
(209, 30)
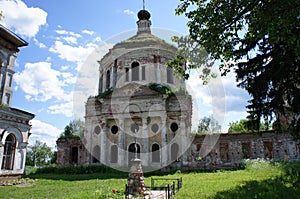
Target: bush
(82, 169)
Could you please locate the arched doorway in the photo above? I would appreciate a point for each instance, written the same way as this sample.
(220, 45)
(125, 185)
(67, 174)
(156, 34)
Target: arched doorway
(155, 153)
(9, 152)
(133, 151)
(174, 152)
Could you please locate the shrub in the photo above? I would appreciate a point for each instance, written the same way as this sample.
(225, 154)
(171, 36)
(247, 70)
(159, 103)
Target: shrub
(82, 169)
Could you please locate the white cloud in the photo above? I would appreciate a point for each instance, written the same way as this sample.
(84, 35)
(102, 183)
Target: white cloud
(71, 53)
(40, 82)
(41, 128)
(22, 19)
(129, 12)
(44, 132)
(97, 39)
(220, 98)
(38, 43)
(88, 32)
(63, 108)
(63, 68)
(70, 39)
(65, 32)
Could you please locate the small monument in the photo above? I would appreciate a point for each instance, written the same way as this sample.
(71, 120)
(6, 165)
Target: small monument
(136, 184)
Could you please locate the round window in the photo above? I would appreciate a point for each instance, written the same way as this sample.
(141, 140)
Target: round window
(114, 129)
(97, 130)
(134, 128)
(154, 128)
(174, 127)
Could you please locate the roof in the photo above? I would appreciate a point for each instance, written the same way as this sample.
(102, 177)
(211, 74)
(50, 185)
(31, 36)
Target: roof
(12, 37)
(145, 40)
(137, 42)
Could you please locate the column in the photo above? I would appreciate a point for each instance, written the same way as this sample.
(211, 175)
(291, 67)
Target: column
(104, 149)
(183, 139)
(158, 73)
(164, 142)
(121, 144)
(145, 143)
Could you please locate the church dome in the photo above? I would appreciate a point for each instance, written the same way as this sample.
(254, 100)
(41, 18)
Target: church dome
(143, 15)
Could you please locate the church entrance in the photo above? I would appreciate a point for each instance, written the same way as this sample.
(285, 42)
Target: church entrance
(9, 152)
(133, 152)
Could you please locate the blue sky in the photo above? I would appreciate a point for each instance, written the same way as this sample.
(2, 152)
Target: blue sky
(61, 36)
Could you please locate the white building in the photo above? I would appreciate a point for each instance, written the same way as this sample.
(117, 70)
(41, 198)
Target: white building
(134, 114)
(14, 123)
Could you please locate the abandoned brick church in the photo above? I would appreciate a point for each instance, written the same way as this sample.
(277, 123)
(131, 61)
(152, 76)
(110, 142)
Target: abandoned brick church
(133, 115)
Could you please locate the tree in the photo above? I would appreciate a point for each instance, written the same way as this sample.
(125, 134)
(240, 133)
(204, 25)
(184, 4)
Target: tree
(244, 126)
(190, 55)
(38, 154)
(260, 39)
(74, 129)
(238, 126)
(209, 125)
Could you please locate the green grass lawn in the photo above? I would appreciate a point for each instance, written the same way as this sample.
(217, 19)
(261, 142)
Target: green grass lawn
(259, 179)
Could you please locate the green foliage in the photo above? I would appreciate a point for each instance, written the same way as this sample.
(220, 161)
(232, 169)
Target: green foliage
(244, 126)
(162, 89)
(74, 129)
(238, 126)
(82, 169)
(3, 105)
(260, 179)
(190, 55)
(260, 39)
(106, 93)
(165, 90)
(38, 154)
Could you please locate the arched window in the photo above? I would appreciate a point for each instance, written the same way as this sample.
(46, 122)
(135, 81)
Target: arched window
(96, 154)
(135, 71)
(9, 152)
(143, 73)
(170, 78)
(134, 150)
(108, 79)
(114, 154)
(115, 74)
(174, 152)
(100, 86)
(155, 153)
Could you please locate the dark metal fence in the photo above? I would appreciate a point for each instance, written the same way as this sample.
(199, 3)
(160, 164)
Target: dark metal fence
(173, 185)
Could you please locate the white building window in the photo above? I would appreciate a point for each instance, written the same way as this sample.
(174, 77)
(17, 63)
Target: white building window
(143, 73)
(9, 152)
(9, 81)
(170, 78)
(135, 71)
(7, 98)
(127, 74)
(108, 79)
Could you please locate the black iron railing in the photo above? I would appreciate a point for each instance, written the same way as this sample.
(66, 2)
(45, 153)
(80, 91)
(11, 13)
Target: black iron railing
(173, 185)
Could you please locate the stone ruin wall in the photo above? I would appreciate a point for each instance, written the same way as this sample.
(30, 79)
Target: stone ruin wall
(71, 151)
(228, 151)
